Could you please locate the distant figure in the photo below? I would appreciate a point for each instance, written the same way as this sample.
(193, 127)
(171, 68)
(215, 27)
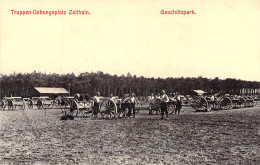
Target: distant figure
(157, 100)
(178, 104)
(171, 97)
(62, 103)
(212, 97)
(97, 100)
(164, 100)
(111, 96)
(158, 96)
(151, 103)
(152, 96)
(77, 96)
(66, 117)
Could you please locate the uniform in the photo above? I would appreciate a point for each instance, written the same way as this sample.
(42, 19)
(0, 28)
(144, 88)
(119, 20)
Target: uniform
(131, 100)
(178, 105)
(163, 105)
(96, 105)
(151, 102)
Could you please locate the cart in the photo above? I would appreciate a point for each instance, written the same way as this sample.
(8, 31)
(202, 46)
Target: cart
(15, 103)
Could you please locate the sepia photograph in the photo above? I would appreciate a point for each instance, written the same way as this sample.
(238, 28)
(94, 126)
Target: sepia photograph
(125, 82)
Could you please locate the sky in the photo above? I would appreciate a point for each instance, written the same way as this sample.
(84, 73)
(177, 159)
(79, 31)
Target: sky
(221, 40)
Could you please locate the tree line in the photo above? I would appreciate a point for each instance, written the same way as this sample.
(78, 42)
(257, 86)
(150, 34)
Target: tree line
(18, 84)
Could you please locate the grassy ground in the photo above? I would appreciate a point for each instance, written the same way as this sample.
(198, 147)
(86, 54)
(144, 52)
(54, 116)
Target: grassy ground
(218, 137)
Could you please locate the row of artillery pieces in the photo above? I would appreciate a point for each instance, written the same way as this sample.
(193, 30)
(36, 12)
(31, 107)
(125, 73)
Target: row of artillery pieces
(116, 107)
(223, 102)
(108, 107)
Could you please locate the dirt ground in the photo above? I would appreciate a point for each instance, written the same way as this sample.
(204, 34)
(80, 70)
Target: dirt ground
(217, 137)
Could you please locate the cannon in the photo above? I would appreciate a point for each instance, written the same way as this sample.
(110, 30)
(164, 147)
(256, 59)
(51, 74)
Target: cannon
(75, 107)
(154, 105)
(108, 107)
(13, 103)
(44, 102)
(40, 102)
(123, 106)
(201, 103)
(26, 100)
(249, 101)
(33, 102)
(238, 102)
(171, 105)
(65, 102)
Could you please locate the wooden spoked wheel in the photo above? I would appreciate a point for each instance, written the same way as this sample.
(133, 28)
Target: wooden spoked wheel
(251, 101)
(121, 110)
(201, 104)
(225, 103)
(171, 108)
(108, 109)
(88, 112)
(242, 102)
(155, 107)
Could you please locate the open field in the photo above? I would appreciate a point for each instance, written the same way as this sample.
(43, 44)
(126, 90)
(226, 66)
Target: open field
(217, 137)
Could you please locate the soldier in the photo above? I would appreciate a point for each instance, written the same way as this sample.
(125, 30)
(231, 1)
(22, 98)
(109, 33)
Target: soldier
(96, 104)
(132, 100)
(158, 96)
(151, 102)
(111, 96)
(164, 100)
(178, 104)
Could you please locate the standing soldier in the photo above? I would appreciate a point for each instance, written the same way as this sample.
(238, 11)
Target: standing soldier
(164, 100)
(96, 104)
(77, 96)
(151, 103)
(178, 104)
(132, 100)
(158, 96)
(111, 96)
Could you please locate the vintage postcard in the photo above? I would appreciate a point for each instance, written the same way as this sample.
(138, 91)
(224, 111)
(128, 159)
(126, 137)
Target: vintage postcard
(129, 82)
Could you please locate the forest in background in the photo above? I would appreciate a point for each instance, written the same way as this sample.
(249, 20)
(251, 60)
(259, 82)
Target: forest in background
(18, 84)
